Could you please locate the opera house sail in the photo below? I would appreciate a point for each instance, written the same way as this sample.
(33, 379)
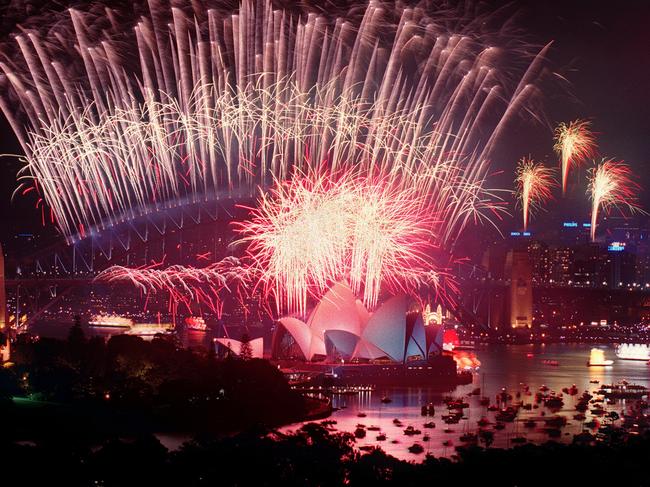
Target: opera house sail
(389, 345)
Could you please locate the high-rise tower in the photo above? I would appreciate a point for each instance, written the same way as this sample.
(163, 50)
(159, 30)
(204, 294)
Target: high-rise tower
(520, 271)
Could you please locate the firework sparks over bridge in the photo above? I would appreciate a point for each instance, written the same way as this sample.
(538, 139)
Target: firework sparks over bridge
(394, 112)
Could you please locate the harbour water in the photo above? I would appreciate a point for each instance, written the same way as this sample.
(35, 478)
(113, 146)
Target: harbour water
(503, 366)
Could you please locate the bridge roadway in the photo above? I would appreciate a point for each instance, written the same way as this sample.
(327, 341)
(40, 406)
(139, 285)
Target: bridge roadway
(48, 281)
(466, 286)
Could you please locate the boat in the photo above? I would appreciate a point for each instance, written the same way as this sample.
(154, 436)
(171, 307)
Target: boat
(554, 363)
(416, 448)
(572, 391)
(457, 405)
(597, 358)
(430, 424)
(623, 390)
(469, 438)
(428, 410)
(486, 435)
(386, 400)
(195, 323)
(506, 415)
(150, 329)
(451, 418)
(110, 321)
(503, 395)
(411, 431)
(373, 428)
(381, 437)
(483, 421)
(555, 422)
(553, 432)
(361, 415)
(359, 433)
(553, 402)
(633, 351)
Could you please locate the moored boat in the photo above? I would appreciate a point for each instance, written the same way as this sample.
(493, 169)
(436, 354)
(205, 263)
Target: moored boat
(597, 358)
(195, 323)
(633, 351)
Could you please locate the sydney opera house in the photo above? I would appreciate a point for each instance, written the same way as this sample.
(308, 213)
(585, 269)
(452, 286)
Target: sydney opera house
(342, 337)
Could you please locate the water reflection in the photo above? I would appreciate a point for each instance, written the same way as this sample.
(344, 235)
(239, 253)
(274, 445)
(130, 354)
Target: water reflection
(510, 367)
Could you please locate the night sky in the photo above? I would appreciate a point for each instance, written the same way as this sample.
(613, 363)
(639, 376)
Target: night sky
(601, 48)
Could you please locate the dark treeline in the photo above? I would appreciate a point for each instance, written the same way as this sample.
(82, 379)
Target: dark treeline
(314, 457)
(83, 412)
(95, 388)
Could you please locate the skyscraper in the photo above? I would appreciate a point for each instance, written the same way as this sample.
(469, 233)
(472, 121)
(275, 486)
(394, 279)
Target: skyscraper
(520, 271)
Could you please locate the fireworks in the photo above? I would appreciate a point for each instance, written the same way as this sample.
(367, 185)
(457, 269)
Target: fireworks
(194, 103)
(574, 143)
(313, 231)
(373, 130)
(185, 285)
(534, 185)
(611, 186)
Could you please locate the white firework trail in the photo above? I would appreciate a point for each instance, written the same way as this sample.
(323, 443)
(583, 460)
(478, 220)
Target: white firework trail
(197, 103)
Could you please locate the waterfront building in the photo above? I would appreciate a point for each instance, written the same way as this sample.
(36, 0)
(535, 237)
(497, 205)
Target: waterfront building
(341, 329)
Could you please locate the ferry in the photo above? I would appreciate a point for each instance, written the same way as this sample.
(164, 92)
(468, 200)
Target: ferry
(633, 351)
(597, 359)
(150, 329)
(110, 321)
(195, 323)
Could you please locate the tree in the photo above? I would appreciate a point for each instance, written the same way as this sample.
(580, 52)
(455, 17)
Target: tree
(76, 340)
(246, 351)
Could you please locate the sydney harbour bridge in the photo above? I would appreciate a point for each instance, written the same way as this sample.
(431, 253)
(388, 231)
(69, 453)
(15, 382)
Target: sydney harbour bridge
(39, 274)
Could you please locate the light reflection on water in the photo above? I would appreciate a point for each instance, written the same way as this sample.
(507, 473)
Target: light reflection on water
(506, 366)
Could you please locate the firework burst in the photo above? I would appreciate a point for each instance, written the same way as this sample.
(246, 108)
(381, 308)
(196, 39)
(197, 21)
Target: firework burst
(120, 117)
(313, 231)
(611, 185)
(185, 285)
(574, 143)
(534, 183)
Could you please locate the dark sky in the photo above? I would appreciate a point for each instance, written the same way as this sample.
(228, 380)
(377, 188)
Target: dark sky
(602, 48)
